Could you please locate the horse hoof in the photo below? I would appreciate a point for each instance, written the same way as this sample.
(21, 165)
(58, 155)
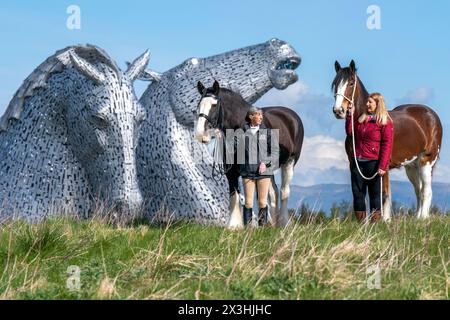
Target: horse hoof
(235, 226)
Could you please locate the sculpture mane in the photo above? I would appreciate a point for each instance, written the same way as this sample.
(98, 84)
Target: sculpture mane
(54, 64)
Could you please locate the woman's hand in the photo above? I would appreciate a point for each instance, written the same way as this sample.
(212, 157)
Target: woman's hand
(381, 172)
(350, 110)
(218, 133)
(262, 168)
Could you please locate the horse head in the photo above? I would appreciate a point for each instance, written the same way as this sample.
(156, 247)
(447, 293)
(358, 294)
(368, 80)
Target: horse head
(283, 60)
(103, 120)
(250, 71)
(344, 89)
(208, 111)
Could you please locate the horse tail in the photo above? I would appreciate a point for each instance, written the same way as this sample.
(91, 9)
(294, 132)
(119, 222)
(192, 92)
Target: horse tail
(298, 138)
(435, 143)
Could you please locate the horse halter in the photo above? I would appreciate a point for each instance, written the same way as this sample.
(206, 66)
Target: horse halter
(214, 124)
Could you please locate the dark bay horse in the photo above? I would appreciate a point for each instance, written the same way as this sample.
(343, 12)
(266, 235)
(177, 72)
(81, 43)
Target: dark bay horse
(223, 109)
(417, 137)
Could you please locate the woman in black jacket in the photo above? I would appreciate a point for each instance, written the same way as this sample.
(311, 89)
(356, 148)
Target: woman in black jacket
(256, 170)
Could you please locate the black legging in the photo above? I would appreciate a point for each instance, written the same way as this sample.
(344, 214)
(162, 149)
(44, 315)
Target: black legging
(360, 186)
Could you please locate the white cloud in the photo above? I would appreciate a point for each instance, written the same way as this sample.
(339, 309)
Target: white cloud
(323, 160)
(322, 153)
(314, 109)
(421, 95)
(441, 173)
(288, 97)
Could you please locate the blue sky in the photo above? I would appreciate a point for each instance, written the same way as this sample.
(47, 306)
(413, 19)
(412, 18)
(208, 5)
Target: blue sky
(409, 58)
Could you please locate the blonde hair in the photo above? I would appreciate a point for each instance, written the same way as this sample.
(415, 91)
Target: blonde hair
(381, 113)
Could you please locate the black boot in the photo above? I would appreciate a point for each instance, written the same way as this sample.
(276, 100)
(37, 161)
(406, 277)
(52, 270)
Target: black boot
(248, 212)
(262, 216)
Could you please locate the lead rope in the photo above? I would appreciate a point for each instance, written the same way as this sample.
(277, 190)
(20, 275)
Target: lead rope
(219, 166)
(352, 105)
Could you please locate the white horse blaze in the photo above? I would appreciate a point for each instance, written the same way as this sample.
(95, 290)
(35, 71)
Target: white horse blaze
(340, 93)
(205, 107)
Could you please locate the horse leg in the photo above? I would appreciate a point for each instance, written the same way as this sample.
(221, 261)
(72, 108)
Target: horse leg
(387, 198)
(273, 198)
(426, 170)
(412, 171)
(287, 173)
(236, 218)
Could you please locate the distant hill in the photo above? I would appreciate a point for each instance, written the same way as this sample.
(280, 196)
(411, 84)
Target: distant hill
(322, 197)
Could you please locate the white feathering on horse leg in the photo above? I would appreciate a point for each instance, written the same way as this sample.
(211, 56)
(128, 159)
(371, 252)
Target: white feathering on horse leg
(273, 197)
(387, 206)
(236, 217)
(426, 192)
(287, 173)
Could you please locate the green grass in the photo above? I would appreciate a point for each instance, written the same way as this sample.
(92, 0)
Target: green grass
(320, 260)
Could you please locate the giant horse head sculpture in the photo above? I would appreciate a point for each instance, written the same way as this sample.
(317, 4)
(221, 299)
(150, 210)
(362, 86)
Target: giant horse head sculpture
(69, 137)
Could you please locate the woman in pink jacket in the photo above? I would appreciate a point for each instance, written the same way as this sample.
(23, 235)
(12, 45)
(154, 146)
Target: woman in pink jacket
(374, 134)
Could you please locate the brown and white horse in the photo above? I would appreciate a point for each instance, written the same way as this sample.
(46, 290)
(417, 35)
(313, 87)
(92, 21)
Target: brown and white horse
(417, 137)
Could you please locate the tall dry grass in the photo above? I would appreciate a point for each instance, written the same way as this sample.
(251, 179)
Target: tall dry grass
(326, 259)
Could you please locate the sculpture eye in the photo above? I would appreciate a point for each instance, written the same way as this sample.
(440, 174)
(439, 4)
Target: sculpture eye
(140, 119)
(99, 121)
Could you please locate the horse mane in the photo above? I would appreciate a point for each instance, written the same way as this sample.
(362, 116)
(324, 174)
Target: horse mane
(343, 74)
(230, 94)
(54, 64)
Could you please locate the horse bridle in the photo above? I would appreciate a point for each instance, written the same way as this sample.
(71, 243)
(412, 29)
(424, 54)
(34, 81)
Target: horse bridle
(218, 124)
(352, 100)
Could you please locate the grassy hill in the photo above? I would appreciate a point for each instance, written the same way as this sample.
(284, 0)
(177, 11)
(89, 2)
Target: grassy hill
(330, 259)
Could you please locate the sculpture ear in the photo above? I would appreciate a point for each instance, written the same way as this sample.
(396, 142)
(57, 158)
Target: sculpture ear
(352, 66)
(337, 66)
(216, 87)
(138, 66)
(200, 87)
(86, 68)
(150, 75)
